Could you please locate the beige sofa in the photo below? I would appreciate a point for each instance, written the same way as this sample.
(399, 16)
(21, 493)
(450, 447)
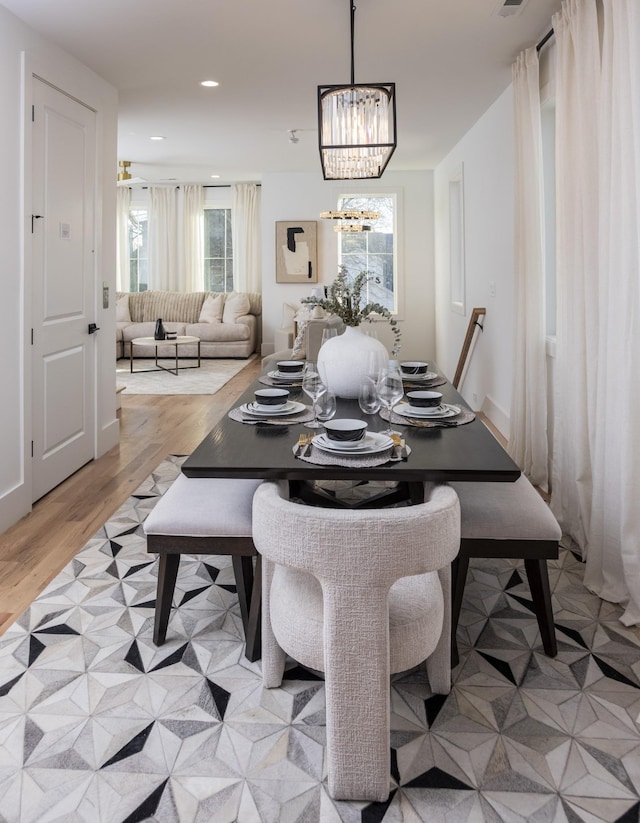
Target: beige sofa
(228, 324)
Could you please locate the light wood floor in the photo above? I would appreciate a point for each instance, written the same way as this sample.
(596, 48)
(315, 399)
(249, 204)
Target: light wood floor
(34, 550)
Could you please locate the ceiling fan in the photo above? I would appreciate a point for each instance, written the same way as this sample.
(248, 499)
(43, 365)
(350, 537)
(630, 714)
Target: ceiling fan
(124, 178)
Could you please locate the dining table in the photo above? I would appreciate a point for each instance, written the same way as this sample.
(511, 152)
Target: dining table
(241, 446)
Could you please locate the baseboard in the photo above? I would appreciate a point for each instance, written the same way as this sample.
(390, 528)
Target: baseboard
(108, 437)
(497, 416)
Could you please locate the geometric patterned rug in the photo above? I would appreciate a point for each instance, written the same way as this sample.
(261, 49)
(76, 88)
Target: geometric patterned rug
(99, 725)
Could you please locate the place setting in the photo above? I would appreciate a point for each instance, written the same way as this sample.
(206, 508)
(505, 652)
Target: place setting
(288, 373)
(349, 442)
(272, 407)
(425, 408)
(416, 373)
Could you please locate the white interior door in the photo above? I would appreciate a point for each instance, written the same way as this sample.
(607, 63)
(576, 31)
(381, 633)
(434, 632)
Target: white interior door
(64, 361)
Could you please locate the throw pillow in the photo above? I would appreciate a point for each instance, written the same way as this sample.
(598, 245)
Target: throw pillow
(288, 315)
(235, 306)
(211, 311)
(299, 350)
(122, 309)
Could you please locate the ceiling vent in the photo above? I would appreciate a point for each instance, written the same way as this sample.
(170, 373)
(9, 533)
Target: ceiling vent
(509, 8)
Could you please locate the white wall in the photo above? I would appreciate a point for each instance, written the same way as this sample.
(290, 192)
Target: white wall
(303, 197)
(22, 53)
(487, 155)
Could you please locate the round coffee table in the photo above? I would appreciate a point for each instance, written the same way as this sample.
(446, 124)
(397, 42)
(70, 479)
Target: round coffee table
(176, 342)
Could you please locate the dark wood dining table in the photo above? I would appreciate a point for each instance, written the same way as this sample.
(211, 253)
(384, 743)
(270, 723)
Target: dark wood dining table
(234, 449)
(463, 453)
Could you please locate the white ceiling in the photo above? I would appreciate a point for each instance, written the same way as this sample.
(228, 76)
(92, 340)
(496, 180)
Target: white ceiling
(450, 59)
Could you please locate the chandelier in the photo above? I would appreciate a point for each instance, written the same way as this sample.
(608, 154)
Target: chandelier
(356, 125)
(350, 219)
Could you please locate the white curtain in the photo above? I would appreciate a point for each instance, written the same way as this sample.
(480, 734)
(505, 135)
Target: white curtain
(123, 203)
(528, 437)
(163, 246)
(176, 244)
(246, 237)
(191, 236)
(596, 470)
(613, 557)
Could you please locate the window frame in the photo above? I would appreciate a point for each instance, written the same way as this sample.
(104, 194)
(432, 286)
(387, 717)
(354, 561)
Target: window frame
(395, 197)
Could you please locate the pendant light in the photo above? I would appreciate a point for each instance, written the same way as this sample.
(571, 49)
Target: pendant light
(356, 126)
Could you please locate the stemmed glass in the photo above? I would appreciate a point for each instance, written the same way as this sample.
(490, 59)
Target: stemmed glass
(313, 386)
(325, 406)
(368, 399)
(390, 390)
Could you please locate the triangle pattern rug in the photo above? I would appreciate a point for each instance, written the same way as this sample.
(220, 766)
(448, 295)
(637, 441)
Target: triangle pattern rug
(209, 378)
(97, 724)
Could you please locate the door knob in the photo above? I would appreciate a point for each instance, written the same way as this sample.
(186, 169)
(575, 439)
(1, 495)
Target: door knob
(93, 328)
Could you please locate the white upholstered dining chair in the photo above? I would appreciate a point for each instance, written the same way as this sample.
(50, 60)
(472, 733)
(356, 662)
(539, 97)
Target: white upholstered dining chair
(358, 595)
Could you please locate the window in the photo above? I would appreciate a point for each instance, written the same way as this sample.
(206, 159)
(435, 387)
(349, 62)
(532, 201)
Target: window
(375, 250)
(138, 250)
(218, 254)
(456, 240)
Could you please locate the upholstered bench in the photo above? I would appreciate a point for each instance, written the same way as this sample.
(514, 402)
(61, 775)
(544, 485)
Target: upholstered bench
(207, 516)
(508, 520)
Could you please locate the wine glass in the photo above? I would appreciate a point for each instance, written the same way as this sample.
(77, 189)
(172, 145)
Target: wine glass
(313, 386)
(390, 390)
(325, 406)
(368, 399)
(327, 334)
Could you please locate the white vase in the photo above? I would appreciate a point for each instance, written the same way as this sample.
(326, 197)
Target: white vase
(343, 360)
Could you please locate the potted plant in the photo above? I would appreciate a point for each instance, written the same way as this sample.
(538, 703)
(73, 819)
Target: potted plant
(344, 360)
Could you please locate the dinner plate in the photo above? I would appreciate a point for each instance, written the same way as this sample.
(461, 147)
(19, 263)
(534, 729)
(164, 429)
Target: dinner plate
(419, 378)
(290, 407)
(444, 410)
(371, 443)
(287, 378)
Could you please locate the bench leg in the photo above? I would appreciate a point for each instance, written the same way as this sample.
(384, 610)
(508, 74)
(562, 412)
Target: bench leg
(167, 574)
(538, 577)
(249, 587)
(459, 569)
(253, 630)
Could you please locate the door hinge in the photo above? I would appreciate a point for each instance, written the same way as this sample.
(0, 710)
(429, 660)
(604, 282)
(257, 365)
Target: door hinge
(32, 448)
(33, 114)
(32, 337)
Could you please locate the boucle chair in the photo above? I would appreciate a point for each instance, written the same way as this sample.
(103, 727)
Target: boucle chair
(208, 516)
(358, 595)
(507, 520)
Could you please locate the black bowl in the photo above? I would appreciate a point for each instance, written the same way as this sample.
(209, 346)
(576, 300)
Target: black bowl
(271, 397)
(424, 399)
(345, 430)
(414, 367)
(290, 366)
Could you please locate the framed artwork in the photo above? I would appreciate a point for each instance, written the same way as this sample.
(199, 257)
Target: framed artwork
(296, 258)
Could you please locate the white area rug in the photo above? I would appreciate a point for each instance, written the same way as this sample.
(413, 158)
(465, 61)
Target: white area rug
(210, 377)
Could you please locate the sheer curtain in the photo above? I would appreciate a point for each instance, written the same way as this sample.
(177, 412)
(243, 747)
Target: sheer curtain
(163, 246)
(596, 474)
(246, 237)
(613, 558)
(176, 244)
(123, 203)
(528, 437)
(191, 237)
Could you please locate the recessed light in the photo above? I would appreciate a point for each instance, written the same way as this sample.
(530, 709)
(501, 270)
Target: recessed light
(215, 176)
(157, 137)
(210, 83)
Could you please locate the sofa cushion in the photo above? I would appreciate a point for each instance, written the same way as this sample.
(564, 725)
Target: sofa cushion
(236, 305)
(219, 332)
(179, 307)
(122, 309)
(212, 308)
